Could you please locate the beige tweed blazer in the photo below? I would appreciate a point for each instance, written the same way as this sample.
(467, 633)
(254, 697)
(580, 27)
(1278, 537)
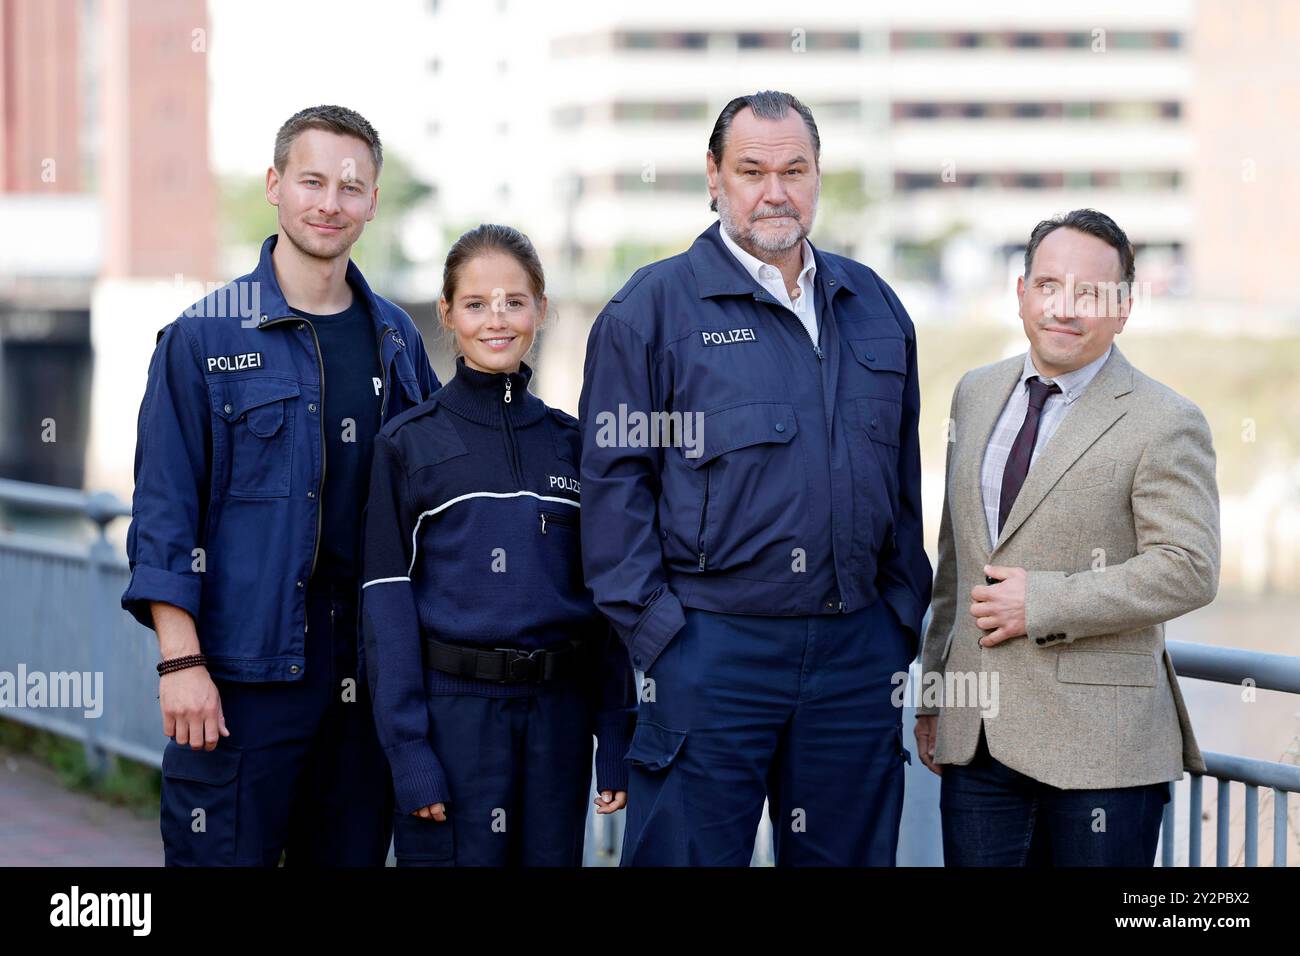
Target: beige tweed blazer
(1117, 525)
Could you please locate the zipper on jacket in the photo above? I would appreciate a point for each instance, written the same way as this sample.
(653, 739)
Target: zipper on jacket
(508, 433)
(830, 425)
(320, 492)
(555, 517)
(704, 516)
(383, 403)
(320, 366)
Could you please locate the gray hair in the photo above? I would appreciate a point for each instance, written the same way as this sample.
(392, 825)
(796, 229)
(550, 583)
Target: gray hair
(766, 104)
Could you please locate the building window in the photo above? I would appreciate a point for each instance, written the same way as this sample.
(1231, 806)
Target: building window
(834, 40)
(837, 109)
(677, 183)
(1131, 110)
(660, 40)
(1160, 180)
(625, 111)
(1031, 40)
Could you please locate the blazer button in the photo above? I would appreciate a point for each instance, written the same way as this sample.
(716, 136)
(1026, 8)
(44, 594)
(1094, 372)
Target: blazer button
(1040, 640)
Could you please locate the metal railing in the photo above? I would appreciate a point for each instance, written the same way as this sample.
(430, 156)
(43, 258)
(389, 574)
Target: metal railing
(60, 609)
(1258, 671)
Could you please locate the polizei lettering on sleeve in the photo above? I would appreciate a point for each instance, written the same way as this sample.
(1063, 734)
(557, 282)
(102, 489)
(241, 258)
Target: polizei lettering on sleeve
(235, 363)
(729, 337)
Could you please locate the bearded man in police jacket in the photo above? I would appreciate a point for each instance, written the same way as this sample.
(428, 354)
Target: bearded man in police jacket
(751, 519)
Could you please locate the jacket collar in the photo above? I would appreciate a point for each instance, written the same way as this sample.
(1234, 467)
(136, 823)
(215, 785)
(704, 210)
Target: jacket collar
(1071, 384)
(273, 302)
(718, 272)
(480, 396)
(1097, 409)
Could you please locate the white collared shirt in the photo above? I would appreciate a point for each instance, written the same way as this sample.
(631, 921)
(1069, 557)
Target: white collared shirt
(804, 304)
(998, 450)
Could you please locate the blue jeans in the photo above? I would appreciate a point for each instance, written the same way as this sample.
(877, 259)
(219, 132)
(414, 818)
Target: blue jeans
(996, 816)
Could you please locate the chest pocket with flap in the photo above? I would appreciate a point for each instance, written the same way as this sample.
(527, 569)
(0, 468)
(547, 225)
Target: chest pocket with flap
(260, 416)
(885, 361)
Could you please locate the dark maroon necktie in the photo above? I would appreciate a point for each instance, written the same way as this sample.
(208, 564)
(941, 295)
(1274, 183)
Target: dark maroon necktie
(1013, 476)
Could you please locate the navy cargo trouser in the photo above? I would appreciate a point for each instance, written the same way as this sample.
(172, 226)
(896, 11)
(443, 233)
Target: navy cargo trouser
(518, 768)
(302, 770)
(794, 709)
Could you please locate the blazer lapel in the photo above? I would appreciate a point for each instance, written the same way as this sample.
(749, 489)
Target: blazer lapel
(1094, 412)
(984, 408)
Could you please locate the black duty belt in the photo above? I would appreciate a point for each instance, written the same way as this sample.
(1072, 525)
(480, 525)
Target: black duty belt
(507, 665)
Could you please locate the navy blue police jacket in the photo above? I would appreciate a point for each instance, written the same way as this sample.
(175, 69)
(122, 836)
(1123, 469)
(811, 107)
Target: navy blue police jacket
(729, 464)
(472, 538)
(229, 463)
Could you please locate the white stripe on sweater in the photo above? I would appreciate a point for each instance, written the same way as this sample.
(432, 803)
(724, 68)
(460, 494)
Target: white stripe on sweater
(382, 581)
(477, 494)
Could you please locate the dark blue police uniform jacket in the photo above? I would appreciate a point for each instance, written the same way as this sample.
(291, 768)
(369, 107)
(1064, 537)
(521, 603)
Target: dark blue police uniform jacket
(229, 460)
(805, 495)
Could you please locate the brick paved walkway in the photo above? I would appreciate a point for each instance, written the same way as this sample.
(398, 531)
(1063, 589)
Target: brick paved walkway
(43, 824)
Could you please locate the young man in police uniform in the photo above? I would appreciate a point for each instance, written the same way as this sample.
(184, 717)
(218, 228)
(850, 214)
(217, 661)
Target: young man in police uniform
(251, 477)
(770, 579)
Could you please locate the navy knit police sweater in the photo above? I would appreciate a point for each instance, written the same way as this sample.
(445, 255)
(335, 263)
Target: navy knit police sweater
(471, 538)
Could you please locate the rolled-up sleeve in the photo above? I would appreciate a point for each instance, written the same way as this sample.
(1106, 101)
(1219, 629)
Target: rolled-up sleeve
(173, 455)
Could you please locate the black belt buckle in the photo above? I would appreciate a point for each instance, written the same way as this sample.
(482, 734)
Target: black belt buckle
(523, 666)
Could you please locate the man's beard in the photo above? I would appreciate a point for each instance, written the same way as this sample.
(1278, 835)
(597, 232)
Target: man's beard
(748, 239)
(309, 243)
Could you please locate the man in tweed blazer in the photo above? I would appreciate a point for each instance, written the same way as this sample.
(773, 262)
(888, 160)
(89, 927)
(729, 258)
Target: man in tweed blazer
(1080, 514)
